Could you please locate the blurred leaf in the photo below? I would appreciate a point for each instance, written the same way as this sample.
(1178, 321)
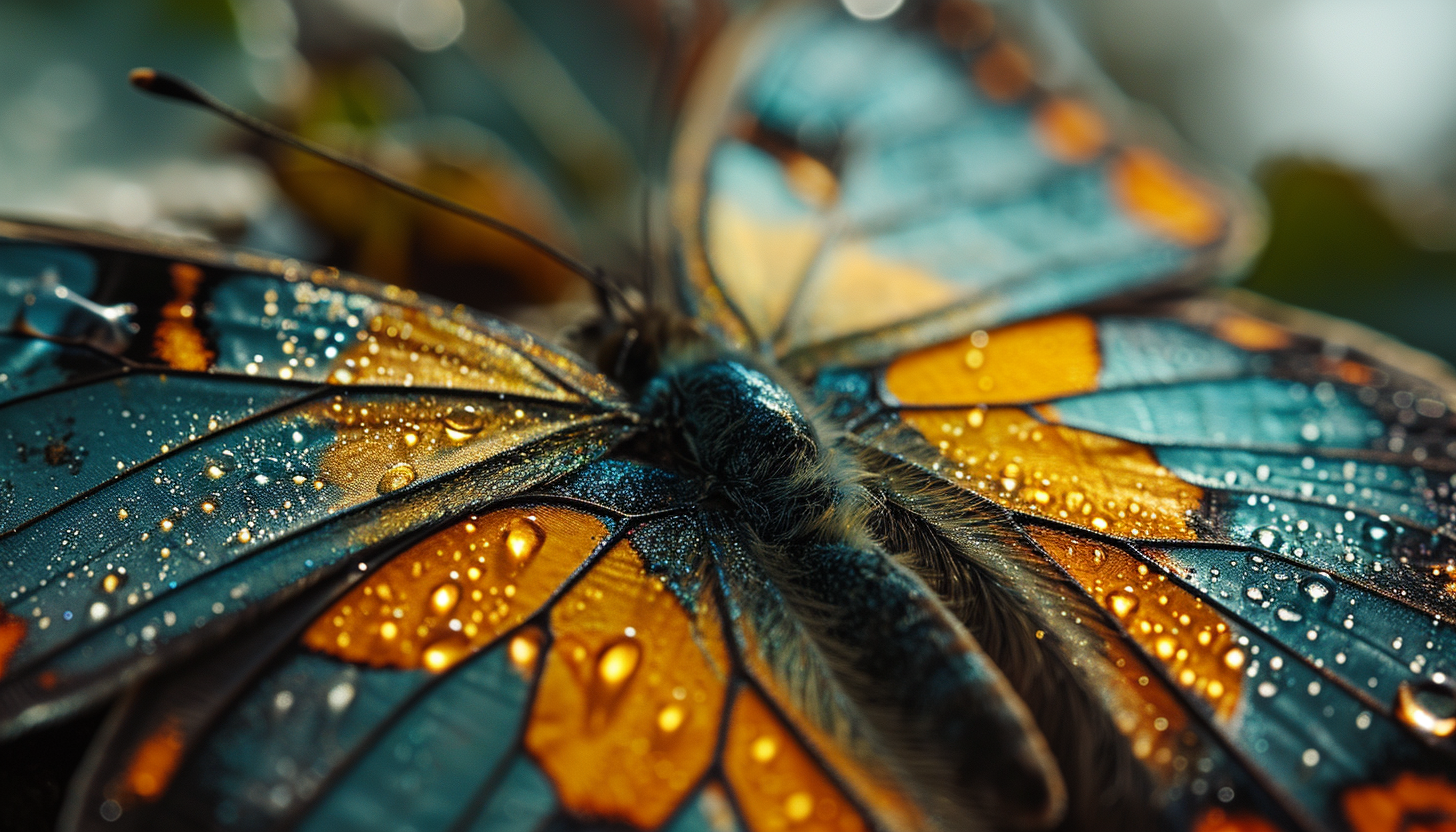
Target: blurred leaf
(1333, 248)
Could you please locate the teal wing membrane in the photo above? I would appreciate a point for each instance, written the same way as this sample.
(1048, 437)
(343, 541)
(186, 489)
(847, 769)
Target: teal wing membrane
(201, 435)
(911, 178)
(1251, 523)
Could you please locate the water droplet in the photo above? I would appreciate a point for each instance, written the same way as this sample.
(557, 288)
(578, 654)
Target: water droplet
(1122, 604)
(112, 582)
(1317, 589)
(976, 418)
(798, 806)
(618, 662)
(1268, 538)
(445, 653)
(1254, 593)
(444, 598)
(99, 611)
(671, 718)
(1165, 647)
(1287, 614)
(523, 537)
(463, 422)
(1427, 707)
(975, 358)
(524, 650)
(398, 476)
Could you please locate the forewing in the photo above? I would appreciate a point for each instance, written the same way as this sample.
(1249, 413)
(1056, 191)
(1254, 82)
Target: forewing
(201, 434)
(910, 178)
(1241, 534)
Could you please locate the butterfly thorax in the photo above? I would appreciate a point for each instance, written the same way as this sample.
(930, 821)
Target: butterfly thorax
(751, 444)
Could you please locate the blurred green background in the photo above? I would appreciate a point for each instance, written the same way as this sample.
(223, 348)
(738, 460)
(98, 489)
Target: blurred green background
(1343, 114)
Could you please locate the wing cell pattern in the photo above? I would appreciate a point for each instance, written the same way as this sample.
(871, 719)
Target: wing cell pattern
(1260, 518)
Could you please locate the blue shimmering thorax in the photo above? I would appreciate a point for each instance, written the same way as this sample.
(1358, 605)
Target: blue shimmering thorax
(748, 436)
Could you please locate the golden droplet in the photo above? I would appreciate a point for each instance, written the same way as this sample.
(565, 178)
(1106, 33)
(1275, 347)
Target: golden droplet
(1215, 689)
(121, 514)
(975, 358)
(463, 423)
(798, 806)
(1428, 707)
(764, 749)
(976, 418)
(618, 662)
(1165, 647)
(388, 630)
(208, 507)
(671, 718)
(524, 650)
(523, 537)
(215, 472)
(411, 439)
(1234, 658)
(444, 598)
(112, 582)
(446, 653)
(244, 535)
(166, 524)
(341, 376)
(398, 476)
(1075, 499)
(1121, 603)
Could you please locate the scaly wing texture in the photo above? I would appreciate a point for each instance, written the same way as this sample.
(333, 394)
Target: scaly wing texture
(1240, 535)
(201, 435)
(557, 659)
(910, 178)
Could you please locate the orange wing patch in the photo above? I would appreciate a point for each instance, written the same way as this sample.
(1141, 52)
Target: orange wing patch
(1003, 72)
(1084, 478)
(1250, 333)
(1070, 131)
(778, 785)
(626, 717)
(1217, 820)
(1164, 199)
(154, 762)
(177, 340)
(1041, 359)
(1191, 640)
(1412, 803)
(457, 591)
(12, 633)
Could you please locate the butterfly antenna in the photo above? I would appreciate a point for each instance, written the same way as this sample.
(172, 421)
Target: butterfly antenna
(165, 85)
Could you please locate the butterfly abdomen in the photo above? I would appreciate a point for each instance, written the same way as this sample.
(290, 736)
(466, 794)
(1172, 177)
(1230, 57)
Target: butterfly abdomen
(944, 715)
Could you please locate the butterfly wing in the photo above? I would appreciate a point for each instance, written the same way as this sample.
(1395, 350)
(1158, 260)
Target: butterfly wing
(575, 652)
(1238, 533)
(910, 178)
(202, 435)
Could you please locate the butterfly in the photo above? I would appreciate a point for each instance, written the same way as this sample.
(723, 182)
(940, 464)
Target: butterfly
(941, 495)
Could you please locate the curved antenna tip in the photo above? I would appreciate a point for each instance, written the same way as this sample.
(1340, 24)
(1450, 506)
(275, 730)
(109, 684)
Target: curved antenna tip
(168, 86)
